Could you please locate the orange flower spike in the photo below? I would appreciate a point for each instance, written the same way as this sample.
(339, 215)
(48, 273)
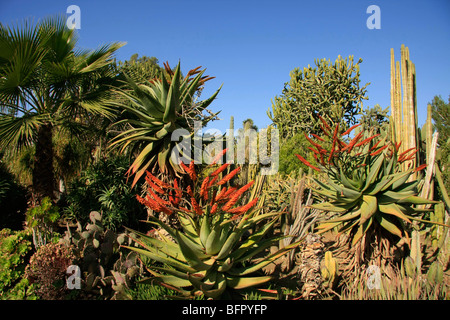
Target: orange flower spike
(324, 123)
(229, 192)
(324, 130)
(375, 146)
(313, 150)
(236, 196)
(218, 156)
(192, 173)
(212, 181)
(157, 198)
(214, 208)
(204, 189)
(350, 129)
(157, 181)
(421, 167)
(229, 176)
(221, 194)
(244, 208)
(318, 146)
(366, 140)
(352, 143)
(220, 169)
(397, 146)
(317, 137)
(196, 207)
(178, 193)
(307, 163)
(379, 150)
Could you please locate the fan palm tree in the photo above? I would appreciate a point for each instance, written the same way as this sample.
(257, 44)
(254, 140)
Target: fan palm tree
(47, 83)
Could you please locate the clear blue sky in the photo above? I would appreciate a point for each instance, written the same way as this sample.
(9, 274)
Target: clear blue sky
(251, 46)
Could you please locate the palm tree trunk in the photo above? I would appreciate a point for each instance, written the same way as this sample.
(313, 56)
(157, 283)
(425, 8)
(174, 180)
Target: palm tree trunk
(43, 173)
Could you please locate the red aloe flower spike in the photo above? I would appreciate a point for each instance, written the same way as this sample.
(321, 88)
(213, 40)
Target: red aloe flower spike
(214, 208)
(229, 176)
(404, 155)
(229, 192)
(189, 191)
(196, 207)
(213, 180)
(218, 156)
(318, 146)
(375, 146)
(236, 196)
(317, 137)
(421, 167)
(352, 143)
(405, 152)
(157, 198)
(366, 140)
(154, 186)
(332, 151)
(244, 208)
(350, 129)
(221, 194)
(313, 150)
(220, 169)
(307, 163)
(178, 193)
(397, 146)
(213, 197)
(192, 171)
(324, 130)
(157, 181)
(324, 123)
(379, 150)
(204, 189)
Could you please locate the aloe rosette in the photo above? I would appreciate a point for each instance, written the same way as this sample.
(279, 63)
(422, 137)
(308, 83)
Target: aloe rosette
(158, 108)
(219, 236)
(364, 183)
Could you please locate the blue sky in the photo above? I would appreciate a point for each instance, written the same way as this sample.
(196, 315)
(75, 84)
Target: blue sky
(251, 46)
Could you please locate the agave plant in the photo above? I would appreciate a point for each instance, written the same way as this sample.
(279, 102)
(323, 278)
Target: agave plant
(364, 185)
(158, 108)
(213, 251)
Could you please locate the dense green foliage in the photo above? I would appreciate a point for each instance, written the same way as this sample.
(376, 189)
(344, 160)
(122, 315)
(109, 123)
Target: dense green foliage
(104, 187)
(15, 252)
(46, 82)
(331, 90)
(441, 116)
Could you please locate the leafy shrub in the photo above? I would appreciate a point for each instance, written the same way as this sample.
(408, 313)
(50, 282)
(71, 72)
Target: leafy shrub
(48, 268)
(15, 251)
(42, 219)
(104, 188)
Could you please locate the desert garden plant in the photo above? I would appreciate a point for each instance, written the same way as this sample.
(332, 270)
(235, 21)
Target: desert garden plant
(367, 193)
(156, 109)
(213, 252)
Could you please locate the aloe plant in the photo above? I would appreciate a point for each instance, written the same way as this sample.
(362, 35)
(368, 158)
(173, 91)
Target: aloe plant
(364, 185)
(157, 109)
(219, 236)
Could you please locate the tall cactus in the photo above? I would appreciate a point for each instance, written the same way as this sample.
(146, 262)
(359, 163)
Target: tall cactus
(403, 102)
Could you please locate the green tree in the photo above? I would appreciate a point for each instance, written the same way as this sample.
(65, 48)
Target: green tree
(47, 83)
(440, 112)
(140, 69)
(330, 90)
